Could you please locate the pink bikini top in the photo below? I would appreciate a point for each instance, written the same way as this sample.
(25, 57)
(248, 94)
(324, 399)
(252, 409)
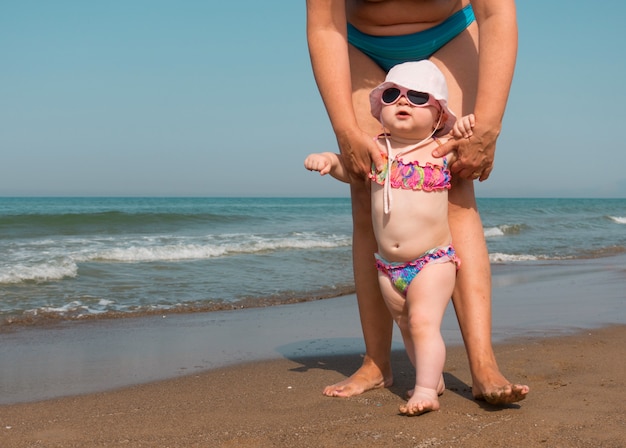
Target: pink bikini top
(409, 175)
(413, 176)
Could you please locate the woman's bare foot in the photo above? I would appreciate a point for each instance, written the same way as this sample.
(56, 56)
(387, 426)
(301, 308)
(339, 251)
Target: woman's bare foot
(369, 376)
(497, 390)
(423, 400)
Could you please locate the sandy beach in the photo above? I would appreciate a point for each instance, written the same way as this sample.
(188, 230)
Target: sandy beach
(254, 377)
(577, 400)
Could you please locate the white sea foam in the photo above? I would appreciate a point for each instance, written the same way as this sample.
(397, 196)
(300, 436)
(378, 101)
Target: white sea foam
(492, 232)
(78, 308)
(248, 244)
(72, 306)
(503, 230)
(38, 272)
(159, 253)
(618, 219)
(508, 258)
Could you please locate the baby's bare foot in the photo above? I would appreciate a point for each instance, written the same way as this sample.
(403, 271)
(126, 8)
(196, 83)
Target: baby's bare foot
(423, 400)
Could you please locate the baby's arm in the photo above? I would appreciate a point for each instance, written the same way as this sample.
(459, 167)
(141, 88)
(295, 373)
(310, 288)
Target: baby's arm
(463, 126)
(327, 163)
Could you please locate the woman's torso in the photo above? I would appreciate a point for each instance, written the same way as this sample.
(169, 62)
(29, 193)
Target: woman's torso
(395, 17)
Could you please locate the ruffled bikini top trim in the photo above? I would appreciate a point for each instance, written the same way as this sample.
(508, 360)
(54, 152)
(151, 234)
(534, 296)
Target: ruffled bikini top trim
(413, 175)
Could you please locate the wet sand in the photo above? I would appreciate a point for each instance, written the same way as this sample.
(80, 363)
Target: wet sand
(577, 400)
(254, 377)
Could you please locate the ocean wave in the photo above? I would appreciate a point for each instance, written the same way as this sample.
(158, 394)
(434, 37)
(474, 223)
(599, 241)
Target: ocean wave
(40, 272)
(503, 230)
(601, 252)
(509, 258)
(618, 219)
(227, 246)
(492, 232)
(64, 258)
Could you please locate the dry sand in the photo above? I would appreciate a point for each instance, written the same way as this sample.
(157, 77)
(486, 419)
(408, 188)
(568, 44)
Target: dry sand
(577, 400)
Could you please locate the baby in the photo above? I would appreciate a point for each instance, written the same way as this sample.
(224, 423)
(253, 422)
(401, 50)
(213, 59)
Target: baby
(410, 215)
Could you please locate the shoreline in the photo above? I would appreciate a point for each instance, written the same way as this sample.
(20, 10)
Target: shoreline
(73, 358)
(253, 377)
(503, 274)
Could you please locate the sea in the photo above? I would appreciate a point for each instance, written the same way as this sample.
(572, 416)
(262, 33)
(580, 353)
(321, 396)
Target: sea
(76, 258)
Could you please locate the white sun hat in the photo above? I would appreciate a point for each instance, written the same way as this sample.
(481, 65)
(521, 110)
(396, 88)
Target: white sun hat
(421, 76)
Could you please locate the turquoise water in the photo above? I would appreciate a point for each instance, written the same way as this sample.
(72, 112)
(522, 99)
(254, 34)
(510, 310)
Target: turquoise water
(79, 257)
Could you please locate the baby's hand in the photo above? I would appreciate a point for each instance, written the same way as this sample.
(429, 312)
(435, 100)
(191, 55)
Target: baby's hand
(318, 162)
(463, 127)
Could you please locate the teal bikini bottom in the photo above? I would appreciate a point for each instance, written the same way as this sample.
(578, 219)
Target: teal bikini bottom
(388, 51)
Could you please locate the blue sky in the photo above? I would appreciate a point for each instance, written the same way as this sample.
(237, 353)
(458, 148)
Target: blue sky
(165, 98)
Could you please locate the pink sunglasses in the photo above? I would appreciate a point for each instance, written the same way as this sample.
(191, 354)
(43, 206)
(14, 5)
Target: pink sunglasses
(419, 99)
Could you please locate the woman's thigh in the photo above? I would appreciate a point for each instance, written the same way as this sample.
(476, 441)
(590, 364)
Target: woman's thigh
(366, 75)
(458, 60)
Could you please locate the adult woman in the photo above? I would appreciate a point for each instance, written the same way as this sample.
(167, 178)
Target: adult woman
(478, 60)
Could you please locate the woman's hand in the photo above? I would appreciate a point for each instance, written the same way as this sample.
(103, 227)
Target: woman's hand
(359, 151)
(475, 155)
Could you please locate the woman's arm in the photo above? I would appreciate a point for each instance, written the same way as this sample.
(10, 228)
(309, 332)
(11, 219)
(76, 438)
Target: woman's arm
(497, 43)
(328, 48)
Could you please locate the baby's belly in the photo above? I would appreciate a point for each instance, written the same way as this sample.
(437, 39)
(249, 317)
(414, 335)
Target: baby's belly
(405, 247)
(411, 228)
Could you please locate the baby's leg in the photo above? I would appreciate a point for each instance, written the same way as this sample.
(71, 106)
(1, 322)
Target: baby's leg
(441, 388)
(396, 303)
(427, 299)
